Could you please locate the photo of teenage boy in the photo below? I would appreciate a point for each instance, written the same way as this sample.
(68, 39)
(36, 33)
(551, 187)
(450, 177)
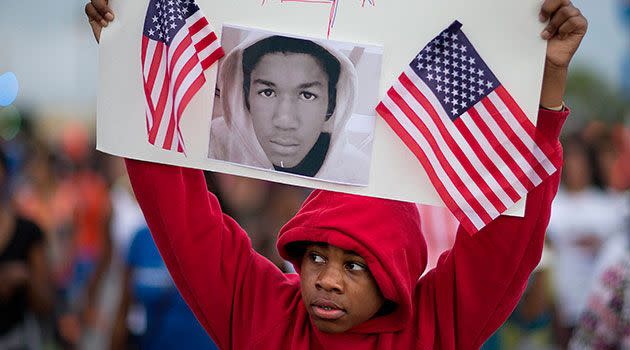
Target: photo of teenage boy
(285, 105)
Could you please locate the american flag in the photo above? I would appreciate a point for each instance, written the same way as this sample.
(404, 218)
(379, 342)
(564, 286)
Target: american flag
(477, 146)
(178, 44)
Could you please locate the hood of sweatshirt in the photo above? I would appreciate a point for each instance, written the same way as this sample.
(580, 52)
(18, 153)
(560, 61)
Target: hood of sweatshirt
(385, 233)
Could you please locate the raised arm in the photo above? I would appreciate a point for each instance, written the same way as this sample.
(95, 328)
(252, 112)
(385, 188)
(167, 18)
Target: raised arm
(226, 283)
(477, 284)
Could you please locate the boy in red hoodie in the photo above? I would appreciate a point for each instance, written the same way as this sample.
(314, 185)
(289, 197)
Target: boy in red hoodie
(359, 259)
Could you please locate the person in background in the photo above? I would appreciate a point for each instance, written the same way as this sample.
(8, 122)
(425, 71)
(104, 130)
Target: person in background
(164, 321)
(605, 323)
(25, 287)
(583, 219)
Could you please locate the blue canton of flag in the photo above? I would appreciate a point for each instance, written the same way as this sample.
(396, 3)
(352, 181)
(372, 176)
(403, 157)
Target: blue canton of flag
(453, 70)
(165, 18)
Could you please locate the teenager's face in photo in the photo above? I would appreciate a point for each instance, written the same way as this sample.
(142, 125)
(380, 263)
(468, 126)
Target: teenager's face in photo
(288, 99)
(338, 290)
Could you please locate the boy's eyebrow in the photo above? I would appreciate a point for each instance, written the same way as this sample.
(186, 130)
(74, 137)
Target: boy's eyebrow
(311, 84)
(326, 245)
(264, 82)
(352, 252)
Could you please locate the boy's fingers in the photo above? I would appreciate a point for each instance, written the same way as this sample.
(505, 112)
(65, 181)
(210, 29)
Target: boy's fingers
(551, 6)
(94, 16)
(559, 18)
(103, 9)
(572, 25)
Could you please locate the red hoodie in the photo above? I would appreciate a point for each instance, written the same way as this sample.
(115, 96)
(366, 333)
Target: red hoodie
(245, 302)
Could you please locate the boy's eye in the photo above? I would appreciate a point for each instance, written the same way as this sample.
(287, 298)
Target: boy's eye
(267, 93)
(316, 258)
(353, 266)
(305, 95)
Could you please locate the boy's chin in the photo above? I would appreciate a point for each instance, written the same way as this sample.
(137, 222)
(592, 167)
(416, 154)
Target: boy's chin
(330, 326)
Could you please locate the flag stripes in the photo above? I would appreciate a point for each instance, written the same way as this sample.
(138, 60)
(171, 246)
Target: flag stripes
(173, 68)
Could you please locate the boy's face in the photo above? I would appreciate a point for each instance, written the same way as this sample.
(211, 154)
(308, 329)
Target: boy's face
(288, 100)
(338, 290)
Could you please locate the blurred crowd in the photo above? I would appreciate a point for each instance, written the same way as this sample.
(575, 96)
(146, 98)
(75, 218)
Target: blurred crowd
(79, 270)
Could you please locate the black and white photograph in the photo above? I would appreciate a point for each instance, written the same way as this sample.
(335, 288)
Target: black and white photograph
(296, 105)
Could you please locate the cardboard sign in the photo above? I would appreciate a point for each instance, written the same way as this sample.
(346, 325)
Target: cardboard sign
(506, 34)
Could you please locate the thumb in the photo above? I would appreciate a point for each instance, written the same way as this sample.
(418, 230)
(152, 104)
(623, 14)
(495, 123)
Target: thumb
(96, 29)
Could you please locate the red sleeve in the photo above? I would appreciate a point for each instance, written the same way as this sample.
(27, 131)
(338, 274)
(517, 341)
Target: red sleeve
(235, 293)
(477, 284)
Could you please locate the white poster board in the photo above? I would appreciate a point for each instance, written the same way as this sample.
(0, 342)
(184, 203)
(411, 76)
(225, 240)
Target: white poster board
(505, 33)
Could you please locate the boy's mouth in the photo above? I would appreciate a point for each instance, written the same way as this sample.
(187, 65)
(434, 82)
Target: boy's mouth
(327, 310)
(284, 146)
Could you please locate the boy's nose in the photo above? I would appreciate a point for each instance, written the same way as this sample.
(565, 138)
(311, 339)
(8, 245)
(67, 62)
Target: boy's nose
(330, 280)
(286, 115)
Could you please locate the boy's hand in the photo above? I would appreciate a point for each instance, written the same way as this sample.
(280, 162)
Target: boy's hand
(565, 29)
(99, 15)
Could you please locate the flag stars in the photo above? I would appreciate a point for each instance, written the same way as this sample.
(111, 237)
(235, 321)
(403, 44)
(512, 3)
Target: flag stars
(489, 84)
(430, 77)
(454, 111)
